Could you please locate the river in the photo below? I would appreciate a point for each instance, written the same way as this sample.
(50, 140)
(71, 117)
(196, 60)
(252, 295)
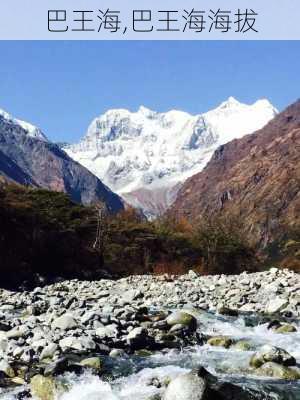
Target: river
(139, 378)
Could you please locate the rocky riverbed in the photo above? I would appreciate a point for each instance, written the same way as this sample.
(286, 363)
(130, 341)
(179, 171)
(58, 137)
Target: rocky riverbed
(154, 338)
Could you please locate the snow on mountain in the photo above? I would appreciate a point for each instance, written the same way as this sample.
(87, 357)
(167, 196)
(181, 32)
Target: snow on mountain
(135, 153)
(31, 130)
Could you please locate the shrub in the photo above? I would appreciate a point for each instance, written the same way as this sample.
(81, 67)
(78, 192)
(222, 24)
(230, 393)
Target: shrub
(224, 246)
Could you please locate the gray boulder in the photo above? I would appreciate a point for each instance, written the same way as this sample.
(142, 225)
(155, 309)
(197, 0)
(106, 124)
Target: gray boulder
(65, 322)
(49, 351)
(269, 353)
(199, 384)
(188, 386)
(138, 338)
(182, 318)
(274, 370)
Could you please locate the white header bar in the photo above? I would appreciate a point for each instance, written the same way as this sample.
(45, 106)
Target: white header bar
(149, 20)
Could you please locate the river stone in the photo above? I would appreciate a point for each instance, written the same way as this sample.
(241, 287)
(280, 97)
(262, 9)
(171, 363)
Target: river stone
(17, 332)
(286, 328)
(92, 362)
(89, 316)
(217, 389)
(49, 351)
(137, 338)
(6, 369)
(274, 370)
(17, 380)
(220, 341)
(269, 353)
(195, 312)
(77, 343)
(274, 325)
(188, 386)
(116, 353)
(242, 345)
(57, 367)
(130, 295)
(227, 311)
(3, 342)
(181, 318)
(109, 331)
(65, 322)
(154, 397)
(177, 328)
(43, 387)
(276, 305)
(4, 327)
(192, 274)
(143, 353)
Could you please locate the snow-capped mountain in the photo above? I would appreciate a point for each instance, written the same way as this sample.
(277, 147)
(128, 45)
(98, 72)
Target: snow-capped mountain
(28, 158)
(30, 129)
(145, 156)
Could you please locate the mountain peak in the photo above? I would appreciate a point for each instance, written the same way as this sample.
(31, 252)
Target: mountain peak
(5, 115)
(146, 111)
(147, 151)
(265, 103)
(30, 129)
(230, 102)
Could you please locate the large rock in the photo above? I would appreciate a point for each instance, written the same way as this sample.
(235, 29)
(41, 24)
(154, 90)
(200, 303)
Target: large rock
(94, 363)
(222, 310)
(188, 386)
(65, 322)
(4, 327)
(49, 351)
(276, 305)
(108, 331)
(286, 328)
(130, 295)
(199, 384)
(274, 370)
(3, 342)
(138, 338)
(6, 369)
(192, 274)
(43, 388)
(271, 354)
(182, 318)
(17, 332)
(77, 343)
(58, 367)
(220, 341)
(242, 345)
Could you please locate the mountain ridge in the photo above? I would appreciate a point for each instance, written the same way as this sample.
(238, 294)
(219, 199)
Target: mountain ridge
(255, 178)
(138, 152)
(29, 158)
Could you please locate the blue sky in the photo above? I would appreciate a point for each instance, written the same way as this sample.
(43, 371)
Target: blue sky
(62, 86)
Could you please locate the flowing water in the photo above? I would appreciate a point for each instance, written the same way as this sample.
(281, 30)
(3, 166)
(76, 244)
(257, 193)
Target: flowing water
(132, 378)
